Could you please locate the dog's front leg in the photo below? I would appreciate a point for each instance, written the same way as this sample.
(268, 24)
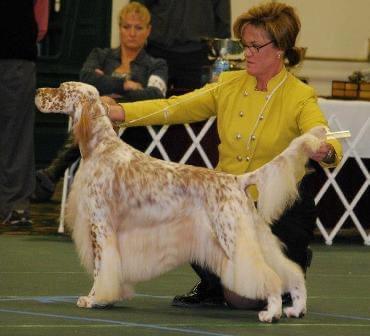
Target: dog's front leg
(107, 269)
(89, 300)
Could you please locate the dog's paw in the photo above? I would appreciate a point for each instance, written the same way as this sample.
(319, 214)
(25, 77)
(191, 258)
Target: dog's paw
(267, 316)
(85, 302)
(89, 302)
(294, 312)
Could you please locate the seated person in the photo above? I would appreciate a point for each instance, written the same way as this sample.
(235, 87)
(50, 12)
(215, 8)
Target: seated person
(126, 73)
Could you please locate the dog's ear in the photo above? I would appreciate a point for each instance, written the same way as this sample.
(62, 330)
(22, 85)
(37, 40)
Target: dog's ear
(82, 129)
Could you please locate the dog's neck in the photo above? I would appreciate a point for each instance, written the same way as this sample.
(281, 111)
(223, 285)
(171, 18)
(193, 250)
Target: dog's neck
(97, 131)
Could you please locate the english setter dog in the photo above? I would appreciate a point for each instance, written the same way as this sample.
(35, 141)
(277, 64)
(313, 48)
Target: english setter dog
(134, 217)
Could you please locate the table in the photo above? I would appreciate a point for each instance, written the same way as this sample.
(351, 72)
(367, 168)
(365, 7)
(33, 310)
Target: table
(353, 115)
(353, 192)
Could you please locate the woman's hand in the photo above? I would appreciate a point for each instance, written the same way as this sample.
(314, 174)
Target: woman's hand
(326, 154)
(115, 111)
(99, 72)
(108, 100)
(131, 85)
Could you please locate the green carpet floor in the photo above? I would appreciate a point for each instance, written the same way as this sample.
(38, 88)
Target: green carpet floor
(40, 279)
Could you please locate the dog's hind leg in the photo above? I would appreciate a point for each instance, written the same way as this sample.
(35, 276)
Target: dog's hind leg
(289, 272)
(248, 275)
(107, 287)
(299, 297)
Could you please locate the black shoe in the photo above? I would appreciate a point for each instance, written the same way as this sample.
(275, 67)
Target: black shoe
(200, 296)
(18, 219)
(45, 187)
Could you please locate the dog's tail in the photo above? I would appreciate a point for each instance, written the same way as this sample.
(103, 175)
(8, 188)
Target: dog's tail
(276, 181)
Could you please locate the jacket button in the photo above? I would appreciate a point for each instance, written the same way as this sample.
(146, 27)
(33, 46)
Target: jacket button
(261, 117)
(253, 137)
(238, 136)
(247, 158)
(239, 158)
(241, 114)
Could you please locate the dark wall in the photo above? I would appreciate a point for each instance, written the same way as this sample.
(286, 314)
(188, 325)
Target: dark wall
(74, 29)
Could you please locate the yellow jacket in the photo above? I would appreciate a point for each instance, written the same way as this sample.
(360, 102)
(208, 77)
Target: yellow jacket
(249, 137)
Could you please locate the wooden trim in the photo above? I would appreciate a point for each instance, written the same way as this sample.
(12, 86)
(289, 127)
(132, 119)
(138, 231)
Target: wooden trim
(342, 59)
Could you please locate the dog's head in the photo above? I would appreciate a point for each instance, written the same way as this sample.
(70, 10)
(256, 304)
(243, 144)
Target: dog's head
(69, 98)
(78, 100)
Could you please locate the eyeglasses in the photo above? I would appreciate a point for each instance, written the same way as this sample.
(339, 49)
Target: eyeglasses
(254, 49)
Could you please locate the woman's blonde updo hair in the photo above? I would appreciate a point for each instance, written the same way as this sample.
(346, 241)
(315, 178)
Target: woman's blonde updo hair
(281, 23)
(137, 8)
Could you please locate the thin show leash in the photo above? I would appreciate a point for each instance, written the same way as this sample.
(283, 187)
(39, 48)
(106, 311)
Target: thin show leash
(330, 135)
(165, 109)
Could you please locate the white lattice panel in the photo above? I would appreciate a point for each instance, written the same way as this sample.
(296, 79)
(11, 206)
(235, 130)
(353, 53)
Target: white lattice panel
(354, 116)
(194, 146)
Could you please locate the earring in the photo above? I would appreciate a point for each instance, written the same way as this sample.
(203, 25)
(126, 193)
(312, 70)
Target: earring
(278, 55)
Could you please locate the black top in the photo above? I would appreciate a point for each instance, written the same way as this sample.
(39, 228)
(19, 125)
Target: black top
(179, 25)
(143, 69)
(18, 30)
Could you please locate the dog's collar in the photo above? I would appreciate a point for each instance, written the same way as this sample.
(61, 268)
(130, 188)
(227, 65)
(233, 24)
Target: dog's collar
(105, 114)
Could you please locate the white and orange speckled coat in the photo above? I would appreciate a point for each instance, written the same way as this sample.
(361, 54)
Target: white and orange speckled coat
(134, 217)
